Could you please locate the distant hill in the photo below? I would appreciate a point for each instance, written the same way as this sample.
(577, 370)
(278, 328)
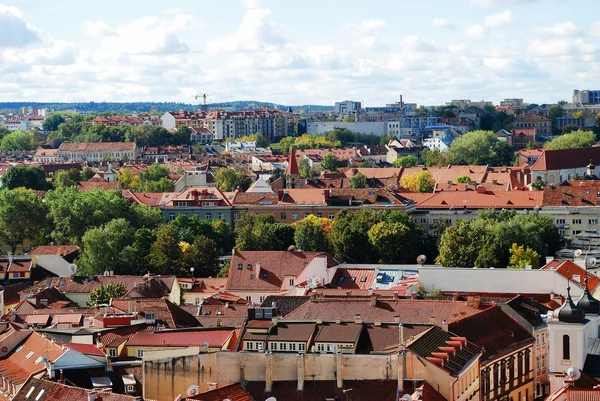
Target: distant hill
(139, 107)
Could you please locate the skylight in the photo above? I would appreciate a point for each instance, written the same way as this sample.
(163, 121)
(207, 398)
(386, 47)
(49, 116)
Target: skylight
(29, 392)
(39, 395)
(29, 355)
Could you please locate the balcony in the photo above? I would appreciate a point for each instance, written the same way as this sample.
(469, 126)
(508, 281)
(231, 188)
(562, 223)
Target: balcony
(562, 225)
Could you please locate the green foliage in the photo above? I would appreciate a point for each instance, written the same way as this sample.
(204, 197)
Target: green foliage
(521, 256)
(202, 256)
(135, 254)
(539, 185)
(433, 157)
(224, 272)
(487, 240)
(103, 294)
(311, 234)
(66, 178)
(19, 141)
(260, 232)
(187, 229)
(575, 139)
(330, 162)
(406, 161)
(52, 122)
(465, 179)
(103, 247)
(154, 179)
(478, 147)
(31, 177)
(87, 174)
(70, 128)
(228, 179)
(151, 135)
(22, 216)
(555, 112)
(101, 133)
(165, 255)
(567, 129)
(358, 180)
(304, 168)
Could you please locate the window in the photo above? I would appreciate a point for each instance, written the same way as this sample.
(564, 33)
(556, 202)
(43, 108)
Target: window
(249, 266)
(301, 347)
(29, 355)
(149, 316)
(577, 221)
(273, 346)
(251, 276)
(291, 282)
(363, 279)
(282, 347)
(352, 279)
(560, 221)
(240, 266)
(319, 215)
(328, 347)
(265, 275)
(171, 216)
(130, 388)
(320, 347)
(566, 347)
(341, 280)
(593, 222)
(259, 346)
(248, 298)
(249, 345)
(15, 274)
(293, 347)
(112, 352)
(543, 338)
(283, 216)
(331, 216)
(140, 353)
(576, 232)
(261, 299)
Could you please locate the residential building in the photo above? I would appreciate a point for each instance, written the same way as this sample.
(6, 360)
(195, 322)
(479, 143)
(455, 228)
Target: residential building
(586, 96)
(400, 148)
(464, 103)
(43, 155)
(26, 123)
(512, 104)
(438, 137)
(347, 107)
(557, 165)
(123, 121)
(542, 125)
(203, 340)
(378, 128)
(520, 138)
(47, 390)
(96, 151)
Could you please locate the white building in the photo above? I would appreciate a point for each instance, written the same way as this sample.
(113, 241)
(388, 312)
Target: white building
(96, 151)
(346, 107)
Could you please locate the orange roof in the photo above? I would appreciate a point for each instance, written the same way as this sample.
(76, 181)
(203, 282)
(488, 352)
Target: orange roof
(62, 250)
(293, 163)
(354, 278)
(96, 146)
(489, 199)
(573, 272)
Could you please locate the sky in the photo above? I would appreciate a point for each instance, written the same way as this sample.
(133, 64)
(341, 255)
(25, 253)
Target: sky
(308, 52)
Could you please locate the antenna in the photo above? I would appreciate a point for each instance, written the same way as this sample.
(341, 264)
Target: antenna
(72, 268)
(573, 373)
(192, 390)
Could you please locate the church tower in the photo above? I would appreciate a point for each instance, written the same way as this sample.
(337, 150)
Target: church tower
(292, 176)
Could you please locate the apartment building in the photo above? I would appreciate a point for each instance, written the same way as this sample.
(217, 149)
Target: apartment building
(96, 151)
(542, 125)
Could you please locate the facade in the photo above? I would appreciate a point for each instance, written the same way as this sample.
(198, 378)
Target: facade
(96, 151)
(45, 155)
(519, 138)
(556, 166)
(347, 107)
(586, 96)
(542, 125)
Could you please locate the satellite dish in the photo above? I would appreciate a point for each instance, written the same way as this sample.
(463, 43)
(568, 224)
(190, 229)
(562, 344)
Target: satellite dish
(106, 273)
(291, 248)
(271, 399)
(591, 261)
(316, 281)
(421, 259)
(72, 268)
(578, 253)
(406, 397)
(192, 390)
(573, 373)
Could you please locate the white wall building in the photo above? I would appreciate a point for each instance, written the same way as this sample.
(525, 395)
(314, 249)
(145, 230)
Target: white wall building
(96, 151)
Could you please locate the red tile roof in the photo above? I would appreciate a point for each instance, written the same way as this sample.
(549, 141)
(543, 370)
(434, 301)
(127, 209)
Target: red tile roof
(87, 349)
(216, 338)
(408, 310)
(293, 163)
(62, 250)
(489, 199)
(92, 185)
(268, 268)
(559, 159)
(572, 193)
(354, 278)
(53, 391)
(233, 392)
(96, 146)
(573, 272)
(494, 331)
(164, 311)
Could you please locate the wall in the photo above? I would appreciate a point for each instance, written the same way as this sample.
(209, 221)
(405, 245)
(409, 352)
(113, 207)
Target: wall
(55, 264)
(495, 280)
(174, 372)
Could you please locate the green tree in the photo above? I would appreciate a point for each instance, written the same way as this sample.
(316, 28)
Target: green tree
(465, 179)
(418, 182)
(22, 216)
(406, 161)
(390, 240)
(329, 162)
(575, 139)
(66, 178)
(567, 129)
(228, 179)
(349, 236)
(474, 147)
(224, 272)
(154, 179)
(358, 180)
(87, 174)
(502, 154)
(433, 157)
(223, 235)
(70, 128)
(52, 122)
(311, 234)
(181, 136)
(141, 216)
(103, 294)
(462, 244)
(135, 254)
(18, 141)
(260, 232)
(165, 255)
(103, 247)
(304, 168)
(285, 144)
(202, 256)
(521, 256)
(31, 177)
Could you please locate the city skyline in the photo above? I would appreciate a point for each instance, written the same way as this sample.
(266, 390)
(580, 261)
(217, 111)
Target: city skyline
(315, 54)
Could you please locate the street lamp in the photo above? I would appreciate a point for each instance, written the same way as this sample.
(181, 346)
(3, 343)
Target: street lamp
(192, 270)
(346, 391)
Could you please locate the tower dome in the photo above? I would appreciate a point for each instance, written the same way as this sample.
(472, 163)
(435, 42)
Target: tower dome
(587, 302)
(569, 312)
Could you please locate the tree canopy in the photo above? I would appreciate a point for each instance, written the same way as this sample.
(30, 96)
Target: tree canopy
(23, 215)
(574, 139)
(103, 294)
(480, 148)
(418, 182)
(228, 179)
(31, 177)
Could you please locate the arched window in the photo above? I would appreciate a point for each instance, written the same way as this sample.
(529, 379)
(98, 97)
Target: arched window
(566, 347)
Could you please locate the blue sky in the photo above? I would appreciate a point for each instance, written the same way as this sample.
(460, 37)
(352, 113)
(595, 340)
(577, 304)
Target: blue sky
(309, 52)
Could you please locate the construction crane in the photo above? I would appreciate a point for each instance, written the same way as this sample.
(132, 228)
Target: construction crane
(203, 96)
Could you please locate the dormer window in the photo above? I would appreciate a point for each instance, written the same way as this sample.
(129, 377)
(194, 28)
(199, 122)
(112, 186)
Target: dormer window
(249, 266)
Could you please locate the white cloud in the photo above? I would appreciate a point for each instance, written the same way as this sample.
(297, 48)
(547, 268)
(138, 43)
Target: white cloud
(372, 26)
(477, 32)
(97, 29)
(14, 30)
(442, 23)
(503, 3)
(500, 19)
(248, 4)
(560, 29)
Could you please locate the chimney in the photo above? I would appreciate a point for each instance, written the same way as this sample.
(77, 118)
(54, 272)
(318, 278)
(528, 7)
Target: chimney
(357, 318)
(274, 320)
(373, 300)
(476, 302)
(377, 323)
(413, 295)
(319, 320)
(300, 370)
(401, 334)
(455, 316)
(396, 295)
(463, 314)
(445, 325)
(92, 396)
(129, 306)
(455, 296)
(396, 319)
(212, 386)
(232, 251)
(432, 320)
